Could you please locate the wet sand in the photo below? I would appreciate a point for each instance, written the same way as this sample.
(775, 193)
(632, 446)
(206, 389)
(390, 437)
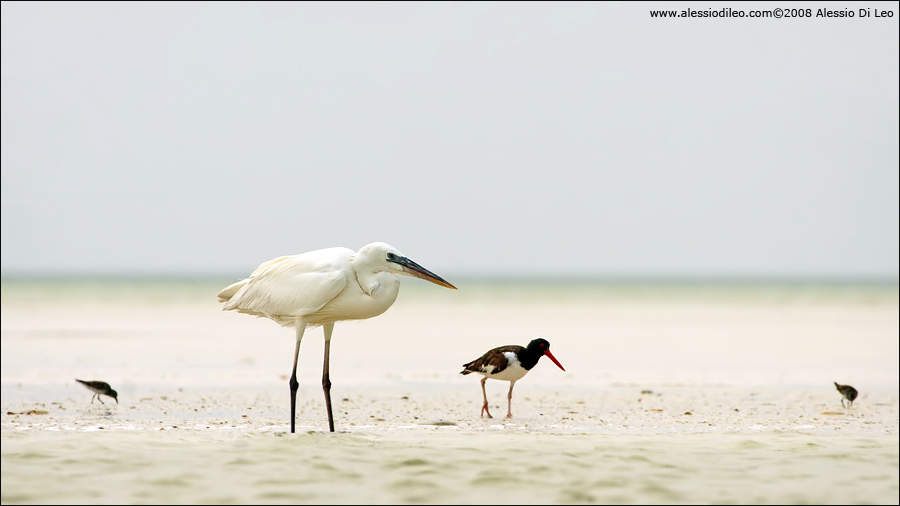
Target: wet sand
(694, 400)
(413, 444)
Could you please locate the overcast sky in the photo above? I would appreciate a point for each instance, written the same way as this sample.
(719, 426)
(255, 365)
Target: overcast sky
(503, 139)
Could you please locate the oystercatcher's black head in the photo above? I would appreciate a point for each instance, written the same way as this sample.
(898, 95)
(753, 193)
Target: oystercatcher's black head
(541, 347)
(539, 344)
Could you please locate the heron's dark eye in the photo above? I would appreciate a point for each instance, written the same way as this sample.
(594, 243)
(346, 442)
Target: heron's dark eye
(391, 256)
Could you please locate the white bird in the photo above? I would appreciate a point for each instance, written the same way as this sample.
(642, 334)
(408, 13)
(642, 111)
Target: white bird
(321, 287)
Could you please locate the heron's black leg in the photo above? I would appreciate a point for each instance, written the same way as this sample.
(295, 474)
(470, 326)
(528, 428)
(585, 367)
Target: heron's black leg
(326, 381)
(842, 403)
(95, 395)
(99, 399)
(300, 327)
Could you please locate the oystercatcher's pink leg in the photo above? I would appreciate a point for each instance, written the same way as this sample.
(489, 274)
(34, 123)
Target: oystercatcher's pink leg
(484, 408)
(509, 399)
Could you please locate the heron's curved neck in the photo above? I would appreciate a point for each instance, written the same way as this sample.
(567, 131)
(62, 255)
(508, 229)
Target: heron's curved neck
(378, 283)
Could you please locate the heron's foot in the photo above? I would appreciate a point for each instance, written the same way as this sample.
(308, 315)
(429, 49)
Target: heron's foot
(484, 409)
(509, 415)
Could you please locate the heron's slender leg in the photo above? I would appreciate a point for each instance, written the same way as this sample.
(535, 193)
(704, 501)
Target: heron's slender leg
(300, 328)
(509, 399)
(484, 407)
(842, 403)
(328, 328)
(95, 395)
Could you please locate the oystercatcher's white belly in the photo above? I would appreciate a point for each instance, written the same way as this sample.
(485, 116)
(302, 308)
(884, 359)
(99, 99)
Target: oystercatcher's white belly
(513, 372)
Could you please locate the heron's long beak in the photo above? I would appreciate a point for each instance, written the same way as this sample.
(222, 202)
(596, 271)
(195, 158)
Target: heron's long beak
(415, 270)
(550, 355)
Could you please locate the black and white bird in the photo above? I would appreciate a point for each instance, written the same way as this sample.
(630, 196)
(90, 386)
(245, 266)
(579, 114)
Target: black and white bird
(847, 392)
(508, 363)
(99, 388)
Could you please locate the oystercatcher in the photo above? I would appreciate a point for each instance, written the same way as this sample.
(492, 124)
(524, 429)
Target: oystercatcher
(847, 392)
(508, 363)
(99, 387)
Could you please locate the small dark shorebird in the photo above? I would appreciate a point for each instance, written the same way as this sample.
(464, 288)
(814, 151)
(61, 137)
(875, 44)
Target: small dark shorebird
(847, 392)
(508, 363)
(99, 388)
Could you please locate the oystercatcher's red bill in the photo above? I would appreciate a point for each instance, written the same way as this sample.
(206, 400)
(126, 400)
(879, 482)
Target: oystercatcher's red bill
(550, 355)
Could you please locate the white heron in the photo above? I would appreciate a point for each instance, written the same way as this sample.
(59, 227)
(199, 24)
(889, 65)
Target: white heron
(322, 287)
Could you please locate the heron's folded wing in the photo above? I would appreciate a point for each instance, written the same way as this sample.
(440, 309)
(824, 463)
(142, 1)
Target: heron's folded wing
(269, 265)
(287, 288)
(229, 291)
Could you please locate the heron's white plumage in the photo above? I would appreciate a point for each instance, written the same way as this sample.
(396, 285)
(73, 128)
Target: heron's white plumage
(318, 287)
(322, 287)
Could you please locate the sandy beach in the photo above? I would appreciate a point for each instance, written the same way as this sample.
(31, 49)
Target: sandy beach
(673, 394)
(694, 204)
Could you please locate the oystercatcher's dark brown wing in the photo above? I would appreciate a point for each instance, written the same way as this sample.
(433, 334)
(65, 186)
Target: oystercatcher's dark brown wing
(494, 358)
